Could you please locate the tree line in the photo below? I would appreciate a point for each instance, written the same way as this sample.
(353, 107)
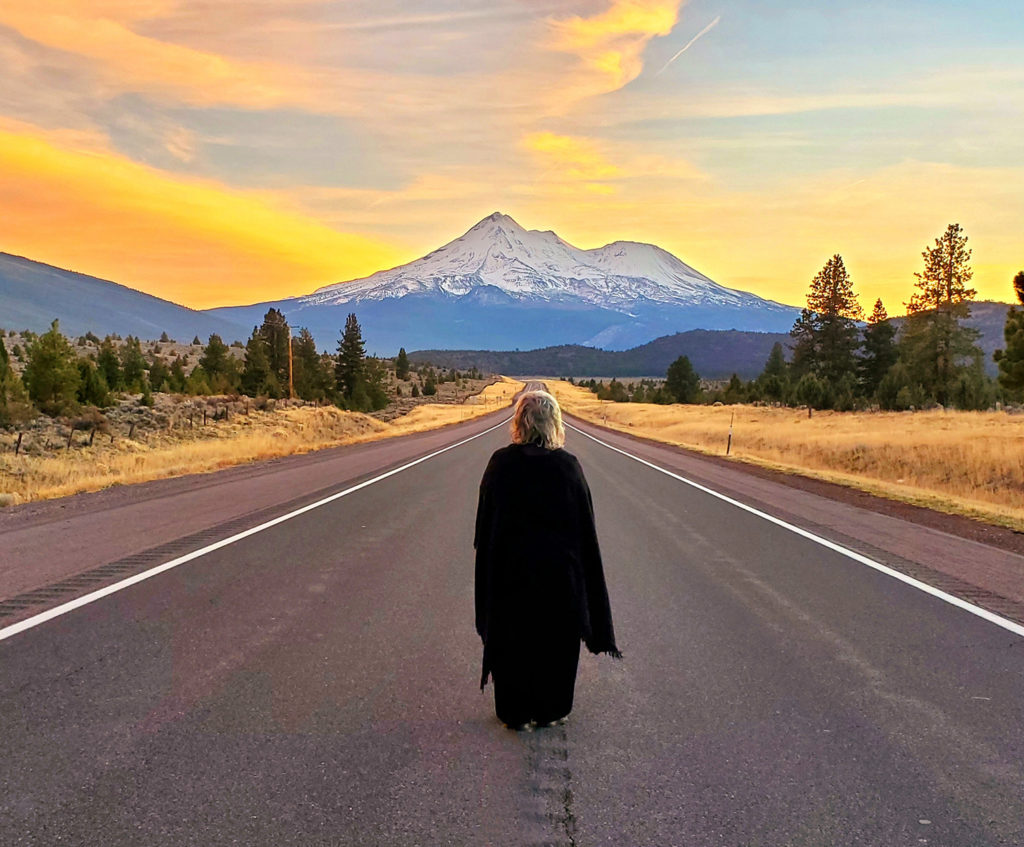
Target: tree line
(840, 362)
(57, 381)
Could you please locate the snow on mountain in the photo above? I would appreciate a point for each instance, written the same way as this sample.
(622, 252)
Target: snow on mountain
(500, 287)
(540, 266)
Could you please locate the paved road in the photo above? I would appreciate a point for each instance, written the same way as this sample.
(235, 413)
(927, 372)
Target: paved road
(315, 683)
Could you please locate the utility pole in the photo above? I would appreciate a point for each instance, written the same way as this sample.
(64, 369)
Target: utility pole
(291, 379)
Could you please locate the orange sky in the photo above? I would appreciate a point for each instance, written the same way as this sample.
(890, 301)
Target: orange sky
(221, 155)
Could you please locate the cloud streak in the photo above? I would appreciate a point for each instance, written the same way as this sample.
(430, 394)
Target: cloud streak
(690, 44)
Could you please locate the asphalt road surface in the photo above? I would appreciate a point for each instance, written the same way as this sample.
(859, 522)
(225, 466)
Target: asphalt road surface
(316, 682)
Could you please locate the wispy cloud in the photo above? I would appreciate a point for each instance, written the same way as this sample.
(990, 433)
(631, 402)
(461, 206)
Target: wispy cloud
(611, 45)
(690, 44)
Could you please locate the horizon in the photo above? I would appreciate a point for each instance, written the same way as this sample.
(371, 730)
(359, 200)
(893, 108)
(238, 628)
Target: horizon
(230, 156)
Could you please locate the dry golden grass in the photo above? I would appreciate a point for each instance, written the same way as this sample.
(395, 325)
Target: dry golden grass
(262, 435)
(969, 463)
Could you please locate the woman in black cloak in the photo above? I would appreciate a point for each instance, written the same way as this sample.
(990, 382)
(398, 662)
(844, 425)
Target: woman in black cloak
(540, 585)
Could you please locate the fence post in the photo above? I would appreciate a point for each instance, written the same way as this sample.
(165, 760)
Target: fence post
(131, 431)
(728, 445)
(17, 447)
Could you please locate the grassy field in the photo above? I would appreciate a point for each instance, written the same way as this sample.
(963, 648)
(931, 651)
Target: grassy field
(259, 435)
(969, 463)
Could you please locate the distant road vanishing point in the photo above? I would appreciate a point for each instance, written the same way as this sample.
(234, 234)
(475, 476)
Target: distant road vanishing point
(285, 654)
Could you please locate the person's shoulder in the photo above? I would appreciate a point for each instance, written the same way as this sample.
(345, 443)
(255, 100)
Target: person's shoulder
(567, 459)
(503, 453)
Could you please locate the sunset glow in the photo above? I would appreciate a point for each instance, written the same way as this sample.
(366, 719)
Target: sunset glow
(222, 154)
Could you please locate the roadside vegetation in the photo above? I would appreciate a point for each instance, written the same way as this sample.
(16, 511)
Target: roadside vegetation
(835, 360)
(969, 463)
(903, 410)
(77, 415)
(230, 436)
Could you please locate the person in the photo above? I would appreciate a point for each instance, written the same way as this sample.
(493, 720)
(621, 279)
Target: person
(540, 586)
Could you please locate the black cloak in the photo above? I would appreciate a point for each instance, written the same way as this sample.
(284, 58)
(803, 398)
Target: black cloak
(538, 566)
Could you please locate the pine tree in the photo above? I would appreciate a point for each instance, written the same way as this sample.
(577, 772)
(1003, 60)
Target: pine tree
(15, 407)
(773, 382)
(92, 387)
(682, 381)
(935, 345)
(133, 363)
(880, 352)
(349, 370)
(176, 378)
(110, 364)
(159, 374)
(734, 392)
(402, 364)
(256, 377)
(826, 331)
(276, 333)
(375, 378)
(1011, 358)
(51, 374)
(310, 380)
(216, 361)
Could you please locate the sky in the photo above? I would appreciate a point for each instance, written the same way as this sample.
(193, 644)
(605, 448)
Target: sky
(217, 153)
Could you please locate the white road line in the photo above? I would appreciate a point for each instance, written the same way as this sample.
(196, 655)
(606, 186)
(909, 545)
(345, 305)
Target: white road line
(991, 617)
(93, 596)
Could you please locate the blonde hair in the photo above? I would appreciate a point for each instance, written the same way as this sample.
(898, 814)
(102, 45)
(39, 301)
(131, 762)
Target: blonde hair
(538, 420)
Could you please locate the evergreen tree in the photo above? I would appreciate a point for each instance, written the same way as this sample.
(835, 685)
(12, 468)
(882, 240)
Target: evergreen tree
(880, 352)
(375, 377)
(1011, 358)
(402, 364)
(15, 407)
(159, 374)
(51, 374)
(176, 378)
(773, 382)
(133, 363)
(936, 347)
(617, 392)
(681, 381)
(429, 386)
(276, 333)
(811, 391)
(826, 331)
(109, 364)
(311, 382)
(257, 379)
(219, 366)
(92, 387)
(734, 392)
(198, 384)
(349, 370)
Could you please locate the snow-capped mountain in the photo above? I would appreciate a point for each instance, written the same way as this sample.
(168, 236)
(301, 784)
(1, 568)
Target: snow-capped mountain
(500, 286)
(534, 265)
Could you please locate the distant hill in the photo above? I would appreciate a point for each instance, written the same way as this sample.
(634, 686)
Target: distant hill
(715, 354)
(33, 294)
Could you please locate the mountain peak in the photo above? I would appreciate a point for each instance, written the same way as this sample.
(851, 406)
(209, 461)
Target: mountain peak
(496, 218)
(531, 266)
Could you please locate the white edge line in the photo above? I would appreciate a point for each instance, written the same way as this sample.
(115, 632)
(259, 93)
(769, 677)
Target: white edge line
(991, 617)
(100, 593)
